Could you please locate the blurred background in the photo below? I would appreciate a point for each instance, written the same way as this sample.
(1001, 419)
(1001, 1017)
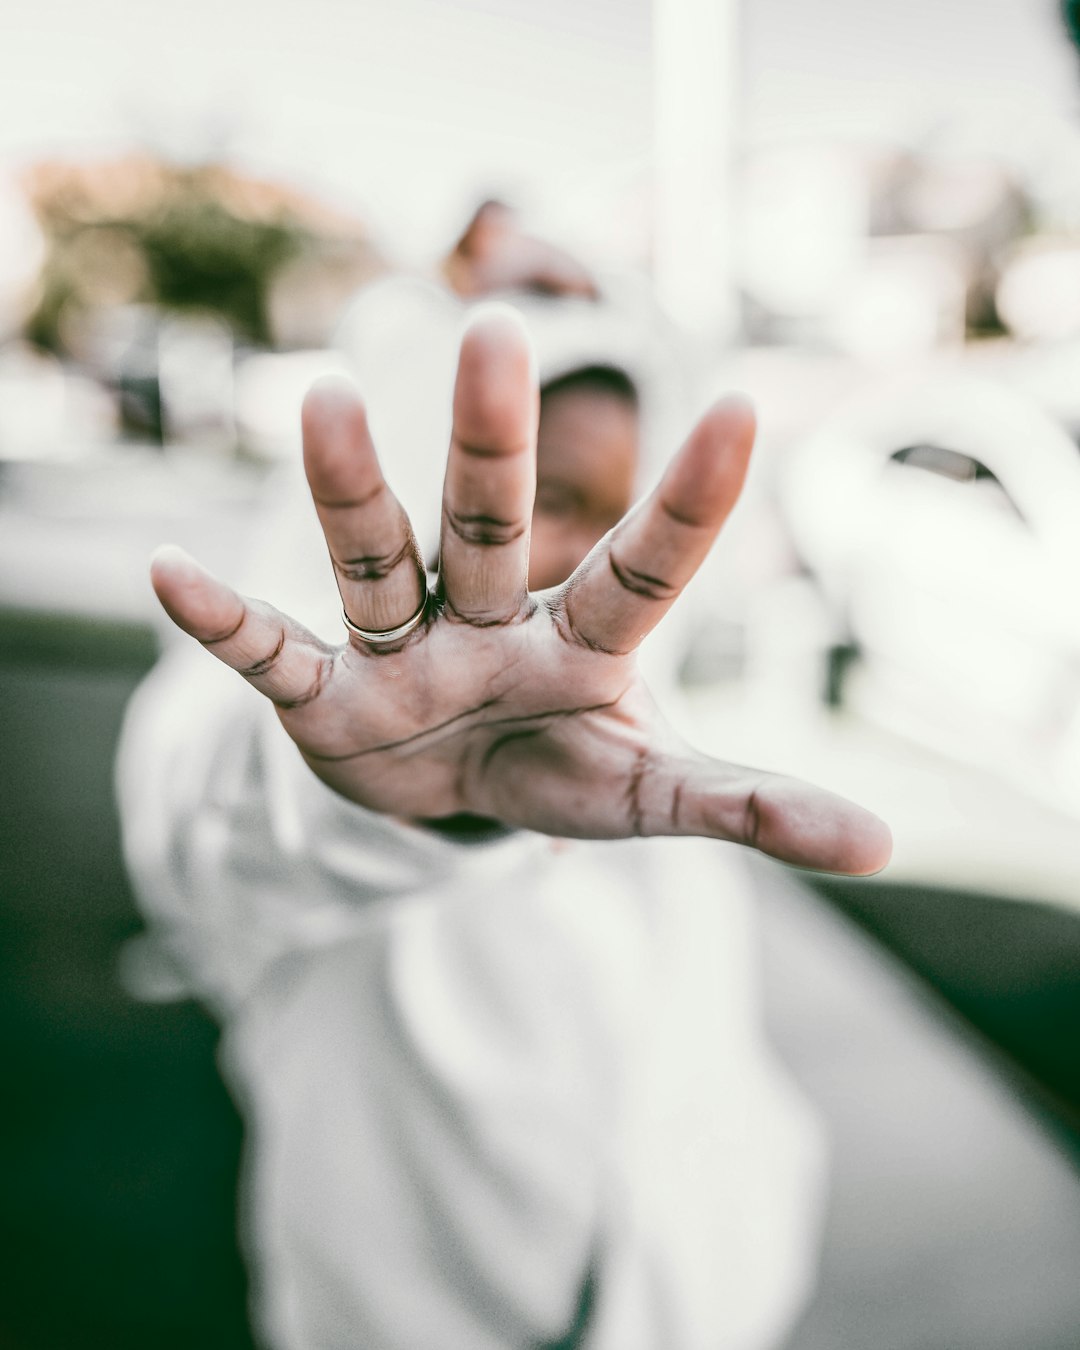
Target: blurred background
(866, 215)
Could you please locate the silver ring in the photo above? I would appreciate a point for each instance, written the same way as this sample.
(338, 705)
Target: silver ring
(380, 637)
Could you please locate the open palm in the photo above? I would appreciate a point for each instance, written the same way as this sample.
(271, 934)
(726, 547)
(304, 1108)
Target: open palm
(519, 707)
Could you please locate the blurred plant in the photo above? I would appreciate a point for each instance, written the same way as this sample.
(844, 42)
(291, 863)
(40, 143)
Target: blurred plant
(201, 238)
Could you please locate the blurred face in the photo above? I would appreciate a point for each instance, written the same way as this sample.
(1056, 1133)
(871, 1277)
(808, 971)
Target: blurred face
(586, 463)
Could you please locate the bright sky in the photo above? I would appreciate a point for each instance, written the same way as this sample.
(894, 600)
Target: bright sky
(409, 108)
(406, 107)
(887, 67)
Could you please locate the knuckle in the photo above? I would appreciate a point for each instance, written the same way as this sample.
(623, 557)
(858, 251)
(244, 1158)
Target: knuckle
(372, 566)
(680, 516)
(635, 581)
(752, 818)
(484, 531)
(218, 638)
(567, 628)
(265, 663)
(312, 692)
(354, 503)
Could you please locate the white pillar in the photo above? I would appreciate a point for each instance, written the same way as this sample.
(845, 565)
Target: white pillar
(695, 49)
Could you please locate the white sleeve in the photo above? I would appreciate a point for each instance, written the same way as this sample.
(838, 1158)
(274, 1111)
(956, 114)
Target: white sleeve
(457, 1063)
(390, 1189)
(237, 851)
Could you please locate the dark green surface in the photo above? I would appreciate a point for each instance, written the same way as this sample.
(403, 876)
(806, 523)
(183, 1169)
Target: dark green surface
(1010, 968)
(119, 1144)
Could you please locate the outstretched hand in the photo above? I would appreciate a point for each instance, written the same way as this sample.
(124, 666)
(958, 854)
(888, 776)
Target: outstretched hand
(523, 708)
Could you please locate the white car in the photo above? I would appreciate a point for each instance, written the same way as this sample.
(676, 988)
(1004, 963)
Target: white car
(941, 518)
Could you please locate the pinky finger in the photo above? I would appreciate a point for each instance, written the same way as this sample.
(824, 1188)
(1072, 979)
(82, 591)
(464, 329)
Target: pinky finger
(271, 651)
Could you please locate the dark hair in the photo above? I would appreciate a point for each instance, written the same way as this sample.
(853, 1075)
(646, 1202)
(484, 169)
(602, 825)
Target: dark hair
(598, 378)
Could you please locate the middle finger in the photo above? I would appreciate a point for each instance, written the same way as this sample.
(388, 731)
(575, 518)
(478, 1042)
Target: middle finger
(635, 574)
(490, 473)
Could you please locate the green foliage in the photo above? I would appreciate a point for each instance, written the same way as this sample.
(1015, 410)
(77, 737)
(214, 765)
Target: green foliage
(203, 238)
(199, 256)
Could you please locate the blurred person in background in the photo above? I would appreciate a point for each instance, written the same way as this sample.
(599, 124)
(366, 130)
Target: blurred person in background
(495, 1040)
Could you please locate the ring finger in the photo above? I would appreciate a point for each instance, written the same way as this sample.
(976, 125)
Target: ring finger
(376, 560)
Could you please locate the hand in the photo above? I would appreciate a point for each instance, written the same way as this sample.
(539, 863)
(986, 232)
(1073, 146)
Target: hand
(496, 254)
(524, 708)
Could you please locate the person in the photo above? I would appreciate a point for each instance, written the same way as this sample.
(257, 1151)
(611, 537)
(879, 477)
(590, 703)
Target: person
(491, 1024)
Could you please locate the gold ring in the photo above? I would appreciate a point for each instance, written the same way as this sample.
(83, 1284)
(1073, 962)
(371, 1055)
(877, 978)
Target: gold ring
(378, 638)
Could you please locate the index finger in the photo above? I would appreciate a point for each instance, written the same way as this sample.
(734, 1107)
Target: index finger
(635, 574)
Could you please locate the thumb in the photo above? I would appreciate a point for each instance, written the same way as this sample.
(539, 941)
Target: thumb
(785, 818)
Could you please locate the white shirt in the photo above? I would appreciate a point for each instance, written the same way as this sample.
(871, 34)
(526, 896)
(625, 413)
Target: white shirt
(490, 1089)
(476, 1077)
